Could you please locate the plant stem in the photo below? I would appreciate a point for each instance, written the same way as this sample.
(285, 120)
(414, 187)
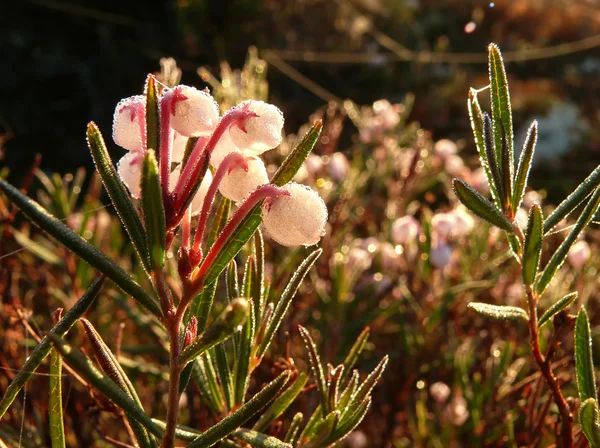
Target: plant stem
(547, 373)
(544, 363)
(174, 322)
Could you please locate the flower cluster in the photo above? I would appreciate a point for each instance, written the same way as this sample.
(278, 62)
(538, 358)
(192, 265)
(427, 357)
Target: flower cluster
(193, 136)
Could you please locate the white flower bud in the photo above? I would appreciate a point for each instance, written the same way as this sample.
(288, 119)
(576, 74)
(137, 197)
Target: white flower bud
(338, 167)
(128, 122)
(239, 182)
(444, 148)
(439, 392)
(297, 219)
(179, 145)
(198, 200)
(440, 256)
(313, 164)
(195, 112)
(258, 134)
(443, 224)
(454, 165)
(130, 170)
(464, 222)
(579, 254)
(224, 146)
(404, 230)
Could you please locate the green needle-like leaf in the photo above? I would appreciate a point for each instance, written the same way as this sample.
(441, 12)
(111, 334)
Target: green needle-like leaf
(42, 350)
(152, 115)
(230, 319)
(560, 255)
(316, 367)
(479, 205)
(566, 207)
(118, 194)
(233, 421)
(84, 367)
(347, 424)
(283, 402)
(501, 108)
(493, 160)
(285, 300)
(589, 419)
(243, 354)
(154, 211)
(532, 247)
(110, 366)
(476, 116)
(499, 312)
(292, 163)
(524, 165)
(201, 305)
(258, 440)
(560, 305)
(293, 433)
(354, 353)
(584, 363)
(45, 221)
(57, 429)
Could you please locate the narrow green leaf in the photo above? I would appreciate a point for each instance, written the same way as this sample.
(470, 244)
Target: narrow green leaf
(285, 300)
(118, 194)
(500, 98)
(322, 431)
(154, 211)
(316, 367)
(566, 207)
(479, 205)
(80, 246)
(84, 367)
(560, 255)
(219, 220)
(589, 419)
(202, 304)
(347, 424)
(499, 312)
(210, 395)
(225, 377)
(240, 236)
(110, 366)
(258, 440)
(476, 116)
(258, 286)
(367, 386)
(493, 159)
(292, 163)
(293, 432)
(524, 165)
(233, 421)
(354, 353)
(532, 246)
(152, 115)
(556, 308)
(584, 363)
(283, 402)
(243, 356)
(42, 350)
(506, 169)
(222, 328)
(57, 429)
(233, 289)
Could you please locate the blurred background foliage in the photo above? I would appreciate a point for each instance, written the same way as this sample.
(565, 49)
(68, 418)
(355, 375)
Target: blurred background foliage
(65, 62)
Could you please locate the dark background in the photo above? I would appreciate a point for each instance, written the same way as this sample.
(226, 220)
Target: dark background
(64, 63)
